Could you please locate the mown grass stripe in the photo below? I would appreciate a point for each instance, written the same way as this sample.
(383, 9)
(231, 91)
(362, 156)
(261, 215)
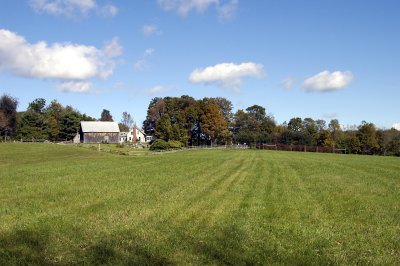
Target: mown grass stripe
(67, 205)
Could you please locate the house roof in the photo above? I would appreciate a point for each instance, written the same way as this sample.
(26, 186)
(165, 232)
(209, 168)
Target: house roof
(139, 129)
(99, 126)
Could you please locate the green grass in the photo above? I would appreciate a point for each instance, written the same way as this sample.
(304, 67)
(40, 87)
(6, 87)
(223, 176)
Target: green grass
(123, 149)
(66, 205)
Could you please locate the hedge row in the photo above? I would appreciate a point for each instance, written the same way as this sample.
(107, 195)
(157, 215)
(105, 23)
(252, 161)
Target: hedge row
(160, 145)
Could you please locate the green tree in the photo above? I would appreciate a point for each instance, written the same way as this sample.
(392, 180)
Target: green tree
(156, 109)
(123, 127)
(37, 105)
(53, 114)
(368, 138)
(336, 131)
(69, 125)
(253, 125)
(8, 115)
(164, 128)
(33, 126)
(296, 124)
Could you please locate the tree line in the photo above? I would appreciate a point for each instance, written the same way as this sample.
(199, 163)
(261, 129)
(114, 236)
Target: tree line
(194, 122)
(42, 121)
(210, 121)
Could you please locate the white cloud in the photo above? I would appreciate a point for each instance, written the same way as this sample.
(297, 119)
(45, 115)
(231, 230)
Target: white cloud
(72, 8)
(75, 86)
(156, 90)
(396, 126)
(287, 83)
(63, 7)
(148, 52)
(327, 81)
(183, 7)
(141, 64)
(113, 48)
(226, 9)
(108, 11)
(227, 75)
(151, 30)
(59, 61)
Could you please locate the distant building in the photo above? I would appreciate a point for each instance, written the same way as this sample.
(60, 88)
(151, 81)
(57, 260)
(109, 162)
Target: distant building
(98, 131)
(123, 136)
(137, 135)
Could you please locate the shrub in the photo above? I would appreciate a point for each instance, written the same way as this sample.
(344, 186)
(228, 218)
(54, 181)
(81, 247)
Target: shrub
(174, 144)
(160, 145)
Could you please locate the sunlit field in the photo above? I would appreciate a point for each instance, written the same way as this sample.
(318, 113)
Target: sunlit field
(66, 205)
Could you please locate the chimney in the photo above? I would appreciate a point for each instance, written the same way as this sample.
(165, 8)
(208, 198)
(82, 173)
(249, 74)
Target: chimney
(134, 134)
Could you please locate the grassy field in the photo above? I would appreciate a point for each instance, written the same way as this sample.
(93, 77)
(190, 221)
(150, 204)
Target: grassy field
(66, 205)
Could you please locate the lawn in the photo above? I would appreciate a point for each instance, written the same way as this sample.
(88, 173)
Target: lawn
(67, 205)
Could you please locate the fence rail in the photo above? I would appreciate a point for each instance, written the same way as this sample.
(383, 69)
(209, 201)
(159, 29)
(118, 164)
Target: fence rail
(301, 148)
(263, 146)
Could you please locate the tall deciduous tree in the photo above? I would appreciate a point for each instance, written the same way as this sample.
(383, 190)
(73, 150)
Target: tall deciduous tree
(154, 112)
(8, 114)
(127, 120)
(368, 139)
(53, 114)
(213, 124)
(106, 116)
(253, 125)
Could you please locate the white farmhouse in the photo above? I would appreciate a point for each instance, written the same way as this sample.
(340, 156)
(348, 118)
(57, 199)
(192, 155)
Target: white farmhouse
(137, 135)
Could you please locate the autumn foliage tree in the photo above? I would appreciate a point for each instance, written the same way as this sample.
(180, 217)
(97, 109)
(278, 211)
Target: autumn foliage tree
(214, 125)
(190, 121)
(106, 116)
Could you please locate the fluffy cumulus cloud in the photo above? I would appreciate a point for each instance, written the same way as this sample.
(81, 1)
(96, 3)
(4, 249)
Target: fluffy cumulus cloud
(327, 81)
(58, 61)
(396, 126)
(227, 75)
(71, 8)
(226, 9)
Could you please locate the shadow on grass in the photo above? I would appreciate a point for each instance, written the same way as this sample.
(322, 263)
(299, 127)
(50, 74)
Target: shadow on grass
(224, 246)
(24, 247)
(33, 247)
(108, 253)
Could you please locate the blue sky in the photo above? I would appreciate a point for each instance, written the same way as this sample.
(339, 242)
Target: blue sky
(320, 59)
